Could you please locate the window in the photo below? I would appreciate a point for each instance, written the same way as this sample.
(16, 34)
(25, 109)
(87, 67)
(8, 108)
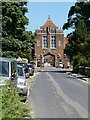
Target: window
(20, 71)
(4, 71)
(53, 42)
(45, 42)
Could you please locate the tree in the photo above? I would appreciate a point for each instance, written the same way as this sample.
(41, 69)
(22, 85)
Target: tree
(14, 19)
(16, 41)
(79, 39)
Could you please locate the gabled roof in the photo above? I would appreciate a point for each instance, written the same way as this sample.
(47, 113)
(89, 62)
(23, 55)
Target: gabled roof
(49, 23)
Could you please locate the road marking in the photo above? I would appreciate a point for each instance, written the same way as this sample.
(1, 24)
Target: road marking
(81, 111)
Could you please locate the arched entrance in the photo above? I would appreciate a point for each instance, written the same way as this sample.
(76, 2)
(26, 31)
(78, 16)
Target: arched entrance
(49, 60)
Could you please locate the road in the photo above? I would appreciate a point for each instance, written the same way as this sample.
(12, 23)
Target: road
(56, 95)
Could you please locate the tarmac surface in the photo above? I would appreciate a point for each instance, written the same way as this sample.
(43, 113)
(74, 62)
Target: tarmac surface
(56, 93)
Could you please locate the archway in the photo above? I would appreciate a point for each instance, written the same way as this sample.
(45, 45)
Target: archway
(49, 60)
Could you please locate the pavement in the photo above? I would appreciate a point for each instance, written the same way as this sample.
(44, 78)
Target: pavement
(82, 77)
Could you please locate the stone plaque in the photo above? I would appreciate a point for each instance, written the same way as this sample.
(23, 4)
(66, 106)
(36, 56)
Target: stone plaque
(59, 43)
(38, 42)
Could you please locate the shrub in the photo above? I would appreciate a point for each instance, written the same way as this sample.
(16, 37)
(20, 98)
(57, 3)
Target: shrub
(12, 107)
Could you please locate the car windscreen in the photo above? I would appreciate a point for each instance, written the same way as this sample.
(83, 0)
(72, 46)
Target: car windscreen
(4, 68)
(20, 71)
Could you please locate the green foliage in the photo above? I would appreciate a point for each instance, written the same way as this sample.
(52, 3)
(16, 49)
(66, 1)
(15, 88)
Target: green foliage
(0, 104)
(79, 60)
(12, 107)
(15, 40)
(11, 44)
(14, 19)
(78, 48)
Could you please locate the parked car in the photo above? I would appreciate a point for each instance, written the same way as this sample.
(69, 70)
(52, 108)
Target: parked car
(8, 71)
(31, 68)
(21, 82)
(61, 65)
(25, 67)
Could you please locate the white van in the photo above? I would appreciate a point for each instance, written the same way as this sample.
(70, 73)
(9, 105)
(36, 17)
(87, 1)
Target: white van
(8, 71)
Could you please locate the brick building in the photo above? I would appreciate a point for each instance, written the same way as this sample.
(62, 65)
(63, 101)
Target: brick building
(50, 45)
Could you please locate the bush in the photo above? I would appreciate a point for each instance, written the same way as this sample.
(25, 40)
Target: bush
(78, 61)
(0, 104)
(12, 107)
(82, 70)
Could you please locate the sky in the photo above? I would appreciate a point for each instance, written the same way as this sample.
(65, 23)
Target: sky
(38, 13)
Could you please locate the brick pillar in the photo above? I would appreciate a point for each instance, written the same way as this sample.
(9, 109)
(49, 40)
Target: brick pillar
(35, 60)
(58, 58)
(41, 61)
